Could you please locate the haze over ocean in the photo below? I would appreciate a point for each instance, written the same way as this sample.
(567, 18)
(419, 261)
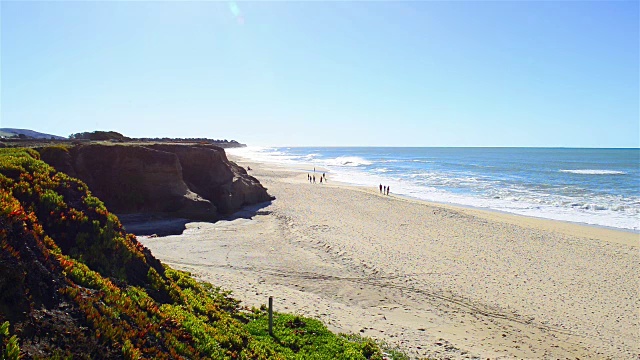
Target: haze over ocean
(592, 186)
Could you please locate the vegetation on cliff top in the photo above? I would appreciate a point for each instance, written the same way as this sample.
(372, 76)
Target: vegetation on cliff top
(30, 138)
(73, 284)
(99, 135)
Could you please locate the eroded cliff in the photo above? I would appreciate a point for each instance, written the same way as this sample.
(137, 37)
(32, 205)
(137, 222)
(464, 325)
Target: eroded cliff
(207, 172)
(191, 181)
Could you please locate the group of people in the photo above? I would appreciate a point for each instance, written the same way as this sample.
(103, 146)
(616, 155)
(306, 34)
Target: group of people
(384, 190)
(312, 178)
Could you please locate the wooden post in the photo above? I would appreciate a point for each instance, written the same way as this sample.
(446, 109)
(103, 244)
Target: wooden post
(271, 315)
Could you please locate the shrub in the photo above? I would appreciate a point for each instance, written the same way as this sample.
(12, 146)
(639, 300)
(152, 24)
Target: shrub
(10, 348)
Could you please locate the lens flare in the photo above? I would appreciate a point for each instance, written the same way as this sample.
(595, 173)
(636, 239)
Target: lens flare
(235, 10)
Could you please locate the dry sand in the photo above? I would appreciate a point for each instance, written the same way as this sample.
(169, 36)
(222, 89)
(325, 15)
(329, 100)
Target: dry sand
(437, 281)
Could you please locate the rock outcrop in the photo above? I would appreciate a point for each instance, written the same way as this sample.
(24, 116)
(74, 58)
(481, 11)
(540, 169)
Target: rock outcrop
(207, 171)
(191, 181)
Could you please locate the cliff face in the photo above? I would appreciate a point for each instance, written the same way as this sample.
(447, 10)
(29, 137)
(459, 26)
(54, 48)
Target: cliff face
(207, 171)
(192, 181)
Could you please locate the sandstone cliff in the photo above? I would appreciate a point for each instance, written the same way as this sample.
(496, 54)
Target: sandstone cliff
(192, 181)
(207, 171)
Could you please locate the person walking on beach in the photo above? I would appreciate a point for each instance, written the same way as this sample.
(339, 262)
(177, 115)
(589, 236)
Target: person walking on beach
(320, 179)
(380, 188)
(314, 179)
(388, 187)
(384, 189)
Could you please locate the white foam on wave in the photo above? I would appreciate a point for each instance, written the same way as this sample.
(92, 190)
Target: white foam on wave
(350, 161)
(263, 154)
(602, 211)
(594, 172)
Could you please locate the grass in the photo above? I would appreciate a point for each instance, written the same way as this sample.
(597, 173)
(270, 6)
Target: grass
(297, 337)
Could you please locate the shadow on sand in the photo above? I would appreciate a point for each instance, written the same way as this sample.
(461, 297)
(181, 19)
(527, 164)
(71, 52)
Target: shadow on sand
(153, 224)
(248, 212)
(163, 225)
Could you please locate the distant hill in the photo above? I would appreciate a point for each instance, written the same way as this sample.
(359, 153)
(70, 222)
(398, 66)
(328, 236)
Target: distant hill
(9, 132)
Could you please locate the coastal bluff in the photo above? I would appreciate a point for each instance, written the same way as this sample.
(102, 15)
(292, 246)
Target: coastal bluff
(75, 284)
(194, 181)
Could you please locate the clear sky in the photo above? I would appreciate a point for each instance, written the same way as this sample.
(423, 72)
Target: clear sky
(301, 73)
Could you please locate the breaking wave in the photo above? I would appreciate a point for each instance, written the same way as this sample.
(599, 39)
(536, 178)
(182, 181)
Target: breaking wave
(348, 161)
(594, 172)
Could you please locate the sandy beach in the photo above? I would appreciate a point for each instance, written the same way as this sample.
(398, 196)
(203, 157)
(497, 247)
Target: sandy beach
(435, 280)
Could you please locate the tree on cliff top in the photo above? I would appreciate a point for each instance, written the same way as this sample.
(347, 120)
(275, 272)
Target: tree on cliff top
(98, 135)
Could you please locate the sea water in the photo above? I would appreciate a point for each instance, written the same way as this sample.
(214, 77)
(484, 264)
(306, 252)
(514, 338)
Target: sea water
(592, 186)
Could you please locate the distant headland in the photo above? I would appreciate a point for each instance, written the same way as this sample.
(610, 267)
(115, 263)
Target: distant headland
(24, 137)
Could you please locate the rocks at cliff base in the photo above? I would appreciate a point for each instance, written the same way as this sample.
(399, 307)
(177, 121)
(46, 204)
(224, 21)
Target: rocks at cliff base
(190, 181)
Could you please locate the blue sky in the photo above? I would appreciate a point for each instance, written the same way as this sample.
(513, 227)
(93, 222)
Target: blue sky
(300, 73)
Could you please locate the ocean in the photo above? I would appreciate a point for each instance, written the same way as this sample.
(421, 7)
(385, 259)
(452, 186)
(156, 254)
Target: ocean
(591, 186)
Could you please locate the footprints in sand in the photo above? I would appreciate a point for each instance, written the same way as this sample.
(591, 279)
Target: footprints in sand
(322, 228)
(424, 281)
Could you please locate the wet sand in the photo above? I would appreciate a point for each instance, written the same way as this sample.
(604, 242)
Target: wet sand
(437, 281)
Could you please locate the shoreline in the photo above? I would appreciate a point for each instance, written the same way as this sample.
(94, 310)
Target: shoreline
(608, 235)
(405, 189)
(435, 280)
(603, 233)
(506, 213)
